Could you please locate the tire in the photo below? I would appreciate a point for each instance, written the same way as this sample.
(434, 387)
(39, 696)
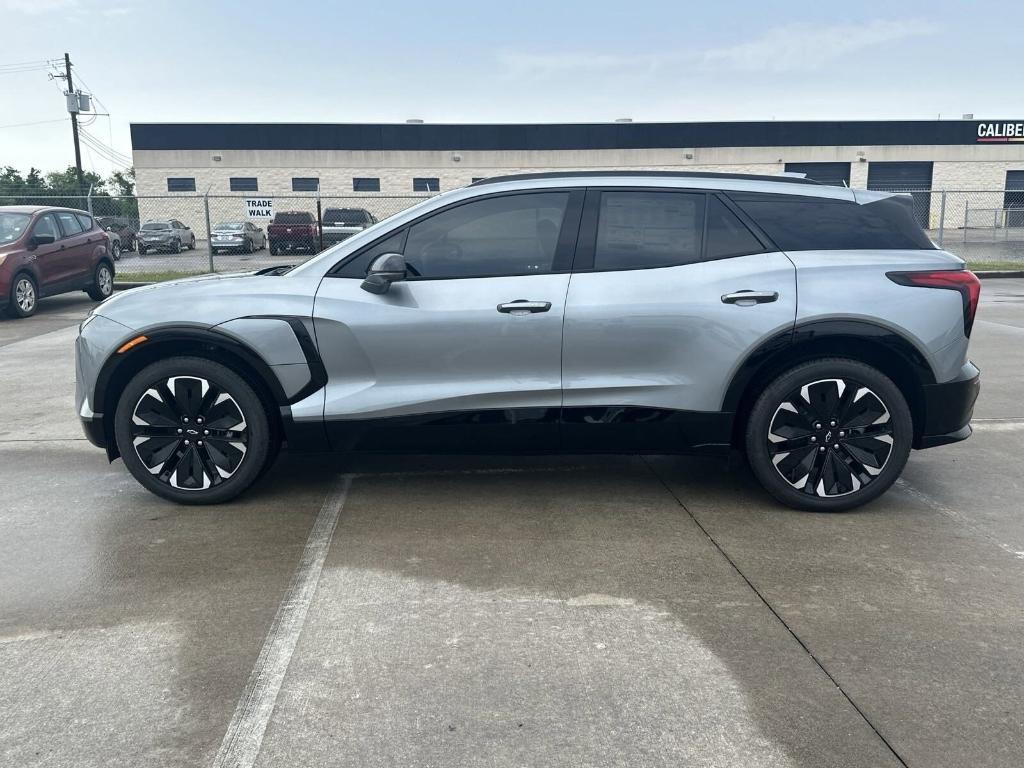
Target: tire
(157, 396)
(247, 248)
(192, 243)
(273, 249)
(176, 246)
(102, 282)
(24, 296)
(848, 430)
(115, 251)
(141, 250)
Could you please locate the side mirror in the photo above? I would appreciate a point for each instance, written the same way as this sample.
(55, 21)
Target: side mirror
(386, 269)
(36, 240)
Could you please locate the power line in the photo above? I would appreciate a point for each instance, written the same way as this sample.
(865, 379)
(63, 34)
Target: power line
(105, 147)
(37, 122)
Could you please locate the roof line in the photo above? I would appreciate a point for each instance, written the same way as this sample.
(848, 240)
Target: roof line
(642, 174)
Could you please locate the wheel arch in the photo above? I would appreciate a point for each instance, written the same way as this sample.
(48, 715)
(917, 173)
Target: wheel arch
(883, 348)
(182, 341)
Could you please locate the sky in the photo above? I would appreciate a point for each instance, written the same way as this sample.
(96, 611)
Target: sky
(526, 61)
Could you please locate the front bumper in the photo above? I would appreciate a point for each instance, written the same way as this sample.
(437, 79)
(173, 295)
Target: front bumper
(948, 408)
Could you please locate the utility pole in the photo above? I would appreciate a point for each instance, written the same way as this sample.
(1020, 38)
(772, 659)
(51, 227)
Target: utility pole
(74, 124)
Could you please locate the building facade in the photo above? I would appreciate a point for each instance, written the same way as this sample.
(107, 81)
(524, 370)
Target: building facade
(377, 161)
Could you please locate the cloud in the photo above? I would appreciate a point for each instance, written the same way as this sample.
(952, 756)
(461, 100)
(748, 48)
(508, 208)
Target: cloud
(36, 7)
(787, 48)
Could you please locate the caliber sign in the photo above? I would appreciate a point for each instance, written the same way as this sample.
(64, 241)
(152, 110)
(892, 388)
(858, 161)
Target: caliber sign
(1000, 132)
(260, 208)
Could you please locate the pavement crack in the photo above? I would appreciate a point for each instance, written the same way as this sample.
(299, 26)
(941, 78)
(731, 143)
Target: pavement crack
(775, 613)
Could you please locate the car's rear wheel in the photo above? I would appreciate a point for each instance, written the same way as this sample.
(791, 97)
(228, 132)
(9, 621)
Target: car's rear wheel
(829, 435)
(192, 431)
(24, 296)
(192, 243)
(102, 282)
(273, 249)
(141, 250)
(115, 251)
(176, 246)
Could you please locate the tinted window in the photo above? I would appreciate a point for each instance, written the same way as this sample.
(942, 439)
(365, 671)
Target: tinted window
(181, 185)
(243, 184)
(45, 225)
(366, 185)
(823, 224)
(305, 184)
(637, 230)
(294, 217)
(69, 223)
(85, 221)
(156, 225)
(360, 264)
(346, 217)
(426, 185)
(727, 236)
(511, 235)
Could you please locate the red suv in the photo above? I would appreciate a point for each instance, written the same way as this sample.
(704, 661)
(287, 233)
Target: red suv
(45, 251)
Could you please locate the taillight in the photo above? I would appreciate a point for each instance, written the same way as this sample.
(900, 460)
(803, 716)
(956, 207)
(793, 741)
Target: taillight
(962, 280)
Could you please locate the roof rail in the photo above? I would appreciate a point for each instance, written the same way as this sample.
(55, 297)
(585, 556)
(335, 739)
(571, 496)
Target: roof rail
(653, 174)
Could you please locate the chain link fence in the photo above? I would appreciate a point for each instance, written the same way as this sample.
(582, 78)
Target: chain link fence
(163, 237)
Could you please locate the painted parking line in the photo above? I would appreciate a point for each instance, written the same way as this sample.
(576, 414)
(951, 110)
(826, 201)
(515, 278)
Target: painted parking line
(241, 744)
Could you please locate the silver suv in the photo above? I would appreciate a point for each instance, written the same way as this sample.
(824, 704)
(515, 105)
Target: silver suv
(816, 328)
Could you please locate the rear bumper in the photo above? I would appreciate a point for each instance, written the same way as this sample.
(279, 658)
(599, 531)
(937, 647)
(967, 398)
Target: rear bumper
(948, 408)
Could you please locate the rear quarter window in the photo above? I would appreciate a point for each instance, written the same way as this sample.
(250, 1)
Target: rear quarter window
(822, 224)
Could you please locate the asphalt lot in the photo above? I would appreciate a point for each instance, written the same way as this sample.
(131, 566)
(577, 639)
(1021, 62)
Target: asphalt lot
(612, 611)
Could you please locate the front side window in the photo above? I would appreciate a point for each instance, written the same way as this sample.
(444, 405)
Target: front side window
(641, 230)
(45, 225)
(510, 235)
(69, 223)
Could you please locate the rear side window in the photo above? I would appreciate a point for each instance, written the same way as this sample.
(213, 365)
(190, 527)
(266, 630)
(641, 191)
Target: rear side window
(640, 230)
(69, 223)
(85, 221)
(823, 224)
(727, 236)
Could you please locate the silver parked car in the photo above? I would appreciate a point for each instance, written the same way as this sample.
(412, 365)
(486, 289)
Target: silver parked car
(241, 236)
(164, 235)
(815, 328)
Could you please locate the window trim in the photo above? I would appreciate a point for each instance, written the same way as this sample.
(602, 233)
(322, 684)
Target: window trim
(565, 245)
(254, 179)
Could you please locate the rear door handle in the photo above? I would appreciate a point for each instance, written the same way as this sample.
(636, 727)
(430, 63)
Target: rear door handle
(523, 306)
(749, 298)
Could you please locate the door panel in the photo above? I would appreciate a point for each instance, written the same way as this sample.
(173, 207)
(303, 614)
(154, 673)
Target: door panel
(441, 350)
(48, 257)
(657, 342)
(76, 249)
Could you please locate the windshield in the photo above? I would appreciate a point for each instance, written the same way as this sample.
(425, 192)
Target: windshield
(230, 227)
(12, 225)
(156, 225)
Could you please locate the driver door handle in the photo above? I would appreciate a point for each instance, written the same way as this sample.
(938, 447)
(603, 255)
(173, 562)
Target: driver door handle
(523, 306)
(749, 298)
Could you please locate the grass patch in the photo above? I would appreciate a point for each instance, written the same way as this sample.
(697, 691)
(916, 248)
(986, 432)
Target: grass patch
(995, 266)
(153, 277)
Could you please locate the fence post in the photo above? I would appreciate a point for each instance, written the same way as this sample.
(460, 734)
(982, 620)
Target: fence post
(209, 235)
(88, 200)
(967, 210)
(942, 216)
(319, 217)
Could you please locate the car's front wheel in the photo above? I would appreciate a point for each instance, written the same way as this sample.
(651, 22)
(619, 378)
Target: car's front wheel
(192, 431)
(24, 296)
(829, 435)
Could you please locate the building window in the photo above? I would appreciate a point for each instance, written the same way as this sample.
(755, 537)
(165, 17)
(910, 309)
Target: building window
(181, 184)
(426, 185)
(366, 185)
(305, 184)
(243, 184)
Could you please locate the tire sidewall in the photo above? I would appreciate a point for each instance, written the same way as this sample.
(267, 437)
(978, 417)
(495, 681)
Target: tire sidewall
(248, 401)
(100, 293)
(764, 410)
(13, 308)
